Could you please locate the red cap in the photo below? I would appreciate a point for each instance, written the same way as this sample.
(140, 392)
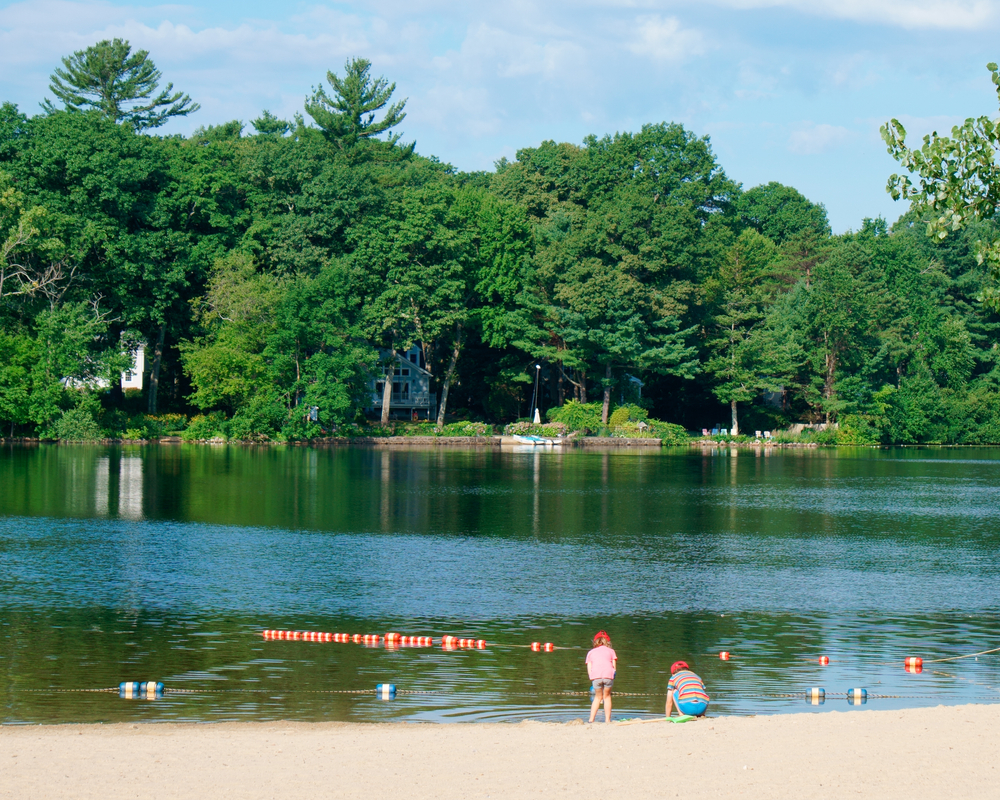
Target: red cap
(678, 665)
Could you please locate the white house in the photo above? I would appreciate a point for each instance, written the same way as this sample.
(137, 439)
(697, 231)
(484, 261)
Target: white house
(132, 379)
(411, 388)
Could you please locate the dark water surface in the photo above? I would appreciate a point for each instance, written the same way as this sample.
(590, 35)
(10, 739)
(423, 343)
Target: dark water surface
(166, 562)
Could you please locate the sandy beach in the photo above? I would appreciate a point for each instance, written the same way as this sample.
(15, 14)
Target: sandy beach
(947, 751)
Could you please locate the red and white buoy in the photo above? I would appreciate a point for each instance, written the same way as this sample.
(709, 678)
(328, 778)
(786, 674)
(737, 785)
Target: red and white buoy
(824, 661)
(724, 655)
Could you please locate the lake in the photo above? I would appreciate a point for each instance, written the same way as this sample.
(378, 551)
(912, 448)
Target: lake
(166, 562)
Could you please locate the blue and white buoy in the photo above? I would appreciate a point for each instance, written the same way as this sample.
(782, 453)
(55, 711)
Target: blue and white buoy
(857, 697)
(816, 696)
(128, 689)
(385, 691)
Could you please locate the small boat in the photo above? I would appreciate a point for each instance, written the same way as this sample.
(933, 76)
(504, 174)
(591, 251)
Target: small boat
(542, 441)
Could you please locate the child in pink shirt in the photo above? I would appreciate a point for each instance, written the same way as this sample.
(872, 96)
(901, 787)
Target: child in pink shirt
(602, 663)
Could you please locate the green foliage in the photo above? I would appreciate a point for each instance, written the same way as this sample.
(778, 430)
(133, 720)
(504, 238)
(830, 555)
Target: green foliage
(451, 429)
(347, 115)
(576, 416)
(858, 429)
(77, 425)
(205, 427)
(781, 213)
(109, 78)
(524, 428)
(628, 413)
(958, 180)
(269, 274)
(669, 434)
(145, 426)
(257, 420)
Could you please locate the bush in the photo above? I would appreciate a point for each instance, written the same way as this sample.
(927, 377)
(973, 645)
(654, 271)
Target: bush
(465, 429)
(668, 433)
(552, 430)
(77, 425)
(857, 429)
(627, 413)
(205, 426)
(576, 416)
(153, 426)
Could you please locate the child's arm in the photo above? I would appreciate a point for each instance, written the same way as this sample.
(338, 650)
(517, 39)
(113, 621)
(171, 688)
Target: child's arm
(670, 702)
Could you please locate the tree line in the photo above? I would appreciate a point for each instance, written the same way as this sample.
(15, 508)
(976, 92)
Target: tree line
(278, 266)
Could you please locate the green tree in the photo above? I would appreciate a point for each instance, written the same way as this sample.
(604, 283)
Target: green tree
(957, 180)
(741, 358)
(347, 115)
(623, 227)
(780, 212)
(109, 78)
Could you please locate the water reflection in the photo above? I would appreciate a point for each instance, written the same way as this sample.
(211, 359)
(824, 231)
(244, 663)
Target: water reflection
(163, 563)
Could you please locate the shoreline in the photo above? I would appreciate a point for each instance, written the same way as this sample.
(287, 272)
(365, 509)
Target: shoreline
(476, 442)
(944, 750)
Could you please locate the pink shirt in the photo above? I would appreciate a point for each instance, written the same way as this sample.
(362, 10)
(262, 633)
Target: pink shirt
(601, 662)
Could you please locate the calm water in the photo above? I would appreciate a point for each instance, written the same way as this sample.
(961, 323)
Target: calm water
(166, 562)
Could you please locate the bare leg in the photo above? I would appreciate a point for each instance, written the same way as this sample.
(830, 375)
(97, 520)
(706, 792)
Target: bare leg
(607, 703)
(595, 705)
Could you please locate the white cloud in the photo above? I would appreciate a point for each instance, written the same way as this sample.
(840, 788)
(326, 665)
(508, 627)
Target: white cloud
(810, 139)
(942, 14)
(664, 39)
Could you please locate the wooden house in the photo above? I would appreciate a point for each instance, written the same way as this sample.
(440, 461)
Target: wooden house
(411, 388)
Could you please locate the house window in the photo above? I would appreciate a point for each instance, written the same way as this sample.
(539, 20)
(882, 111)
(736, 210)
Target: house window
(413, 357)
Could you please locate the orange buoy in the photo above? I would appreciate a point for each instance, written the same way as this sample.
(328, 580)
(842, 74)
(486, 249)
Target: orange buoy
(536, 646)
(548, 647)
(297, 636)
(824, 661)
(724, 655)
(913, 662)
(481, 644)
(391, 637)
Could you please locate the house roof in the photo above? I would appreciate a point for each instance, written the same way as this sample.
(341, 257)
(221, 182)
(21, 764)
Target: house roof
(401, 357)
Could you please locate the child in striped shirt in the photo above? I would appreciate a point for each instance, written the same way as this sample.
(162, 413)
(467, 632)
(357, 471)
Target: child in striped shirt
(686, 690)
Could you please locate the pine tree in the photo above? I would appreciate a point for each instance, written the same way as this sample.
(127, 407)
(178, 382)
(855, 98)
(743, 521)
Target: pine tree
(109, 78)
(349, 115)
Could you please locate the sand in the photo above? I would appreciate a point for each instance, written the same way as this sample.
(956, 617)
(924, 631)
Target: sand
(947, 751)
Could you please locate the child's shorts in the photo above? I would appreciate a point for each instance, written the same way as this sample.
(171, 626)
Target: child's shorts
(693, 708)
(603, 683)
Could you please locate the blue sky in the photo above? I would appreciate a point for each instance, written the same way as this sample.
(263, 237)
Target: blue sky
(788, 90)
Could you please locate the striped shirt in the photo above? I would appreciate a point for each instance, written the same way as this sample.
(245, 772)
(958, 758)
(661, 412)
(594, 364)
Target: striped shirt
(687, 686)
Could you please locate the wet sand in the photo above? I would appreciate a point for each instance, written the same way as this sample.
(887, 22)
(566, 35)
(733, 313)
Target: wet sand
(947, 751)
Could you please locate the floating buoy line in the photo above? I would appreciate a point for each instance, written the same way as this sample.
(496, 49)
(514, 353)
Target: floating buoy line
(155, 690)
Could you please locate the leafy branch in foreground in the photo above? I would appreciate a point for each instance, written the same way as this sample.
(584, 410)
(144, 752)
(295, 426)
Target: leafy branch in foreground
(958, 180)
